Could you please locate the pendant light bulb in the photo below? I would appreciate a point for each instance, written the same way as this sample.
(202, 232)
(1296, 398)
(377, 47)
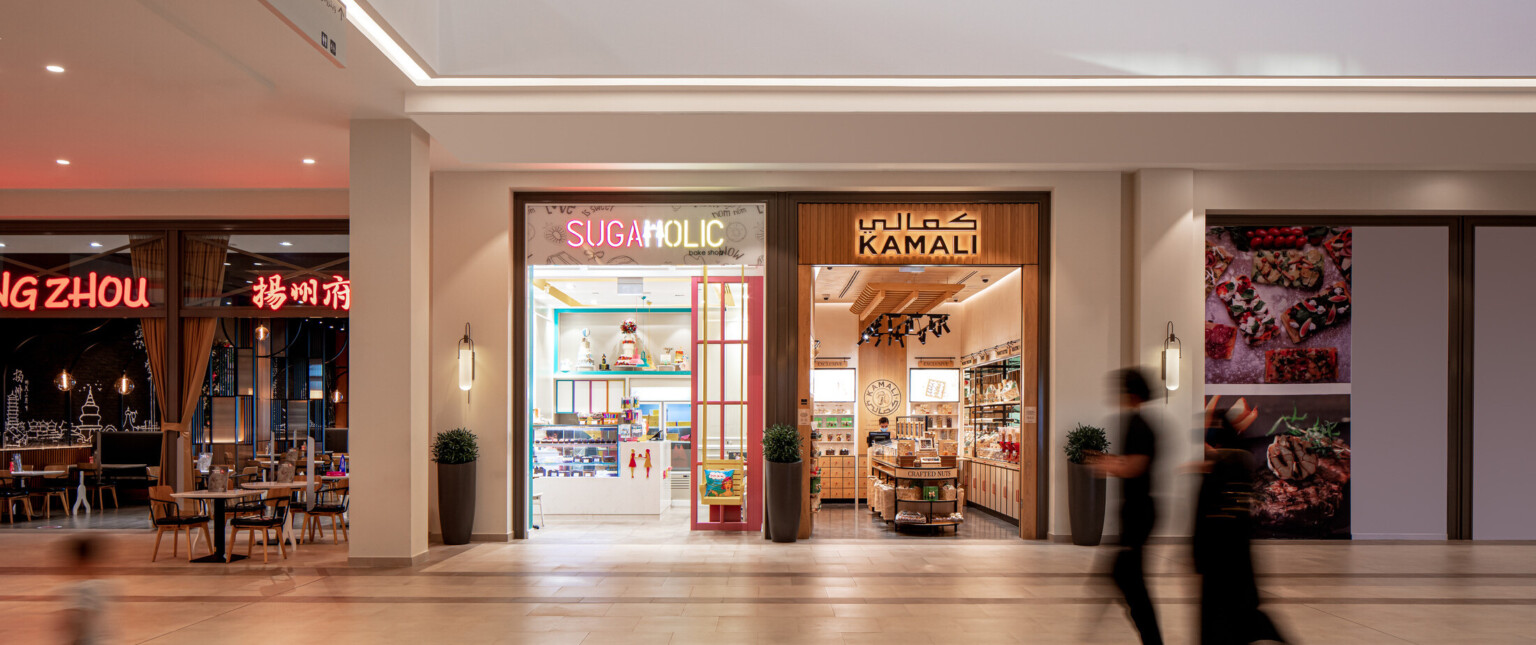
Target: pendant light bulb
(262, 332)
(64, 381)
(123, 384)
(336, 396)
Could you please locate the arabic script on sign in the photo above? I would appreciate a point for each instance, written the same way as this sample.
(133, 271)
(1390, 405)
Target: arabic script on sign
(924, 233)
(270, 292)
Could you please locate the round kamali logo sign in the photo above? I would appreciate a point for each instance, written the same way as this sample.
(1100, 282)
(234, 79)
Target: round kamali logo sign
(882, 397)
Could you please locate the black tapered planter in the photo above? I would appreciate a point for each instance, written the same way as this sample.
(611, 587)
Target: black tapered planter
(784, 499)
(1085, 504)
(456, 501)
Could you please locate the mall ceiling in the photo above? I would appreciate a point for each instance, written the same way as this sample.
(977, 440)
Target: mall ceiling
(196, 94)
(177, 94)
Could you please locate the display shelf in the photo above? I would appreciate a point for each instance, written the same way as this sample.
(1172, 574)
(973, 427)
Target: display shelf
(996, 462)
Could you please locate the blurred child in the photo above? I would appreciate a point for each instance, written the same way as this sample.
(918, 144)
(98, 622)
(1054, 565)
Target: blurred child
(87, 597)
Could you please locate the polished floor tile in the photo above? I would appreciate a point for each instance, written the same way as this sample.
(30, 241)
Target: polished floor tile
(632, 580)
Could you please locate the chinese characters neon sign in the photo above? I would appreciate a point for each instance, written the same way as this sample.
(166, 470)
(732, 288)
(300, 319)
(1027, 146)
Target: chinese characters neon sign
(88, 292)
(271, 293)
(657, 233)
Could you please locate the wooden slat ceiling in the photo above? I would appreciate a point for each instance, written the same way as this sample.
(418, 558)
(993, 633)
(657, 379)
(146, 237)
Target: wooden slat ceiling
(909, 298)
(846, 283)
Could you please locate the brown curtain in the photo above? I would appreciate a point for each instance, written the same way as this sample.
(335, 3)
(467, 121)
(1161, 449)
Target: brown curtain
(149, 262)
(202, 277)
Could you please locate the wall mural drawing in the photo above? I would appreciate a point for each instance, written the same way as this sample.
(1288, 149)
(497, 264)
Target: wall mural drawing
(97, 353)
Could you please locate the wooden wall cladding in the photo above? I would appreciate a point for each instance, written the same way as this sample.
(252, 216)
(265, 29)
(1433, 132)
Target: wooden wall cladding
(1006, 233)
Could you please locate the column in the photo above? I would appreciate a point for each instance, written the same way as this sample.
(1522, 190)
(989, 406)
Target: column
(1169, 286)
(389, 205)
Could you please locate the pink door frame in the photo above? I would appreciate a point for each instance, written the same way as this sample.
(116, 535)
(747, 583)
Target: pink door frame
(752, 518)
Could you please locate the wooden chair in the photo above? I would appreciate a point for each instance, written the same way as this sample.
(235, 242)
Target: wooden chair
(277, 502)
(102, 484)
(167, 516)
(154, 478)
(54, 486)
(331, 502)
(13, 496)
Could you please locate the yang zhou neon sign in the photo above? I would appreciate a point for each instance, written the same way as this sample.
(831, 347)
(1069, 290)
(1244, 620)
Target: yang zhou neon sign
(271, 293)
(620, 234)
(88, 292)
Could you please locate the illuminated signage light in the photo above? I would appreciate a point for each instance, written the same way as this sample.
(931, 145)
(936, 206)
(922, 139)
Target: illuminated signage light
(92, 292)
(270, 293)
(932, 234)
(620, 234)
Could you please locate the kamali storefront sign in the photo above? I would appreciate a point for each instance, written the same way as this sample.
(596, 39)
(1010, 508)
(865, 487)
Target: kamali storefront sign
(921, 234)
(91, 291)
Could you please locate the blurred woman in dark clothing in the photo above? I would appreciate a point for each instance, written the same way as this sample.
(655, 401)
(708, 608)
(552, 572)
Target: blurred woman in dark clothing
(1229, 597)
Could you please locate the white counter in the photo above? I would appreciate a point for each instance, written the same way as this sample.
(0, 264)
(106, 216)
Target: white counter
(633, 492)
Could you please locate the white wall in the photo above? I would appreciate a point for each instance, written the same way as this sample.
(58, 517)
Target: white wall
(1503, 437)
(988, 318)
(1398, 401)
(472, 283)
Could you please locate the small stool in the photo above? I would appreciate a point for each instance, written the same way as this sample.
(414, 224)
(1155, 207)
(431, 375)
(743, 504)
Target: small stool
(538, 499)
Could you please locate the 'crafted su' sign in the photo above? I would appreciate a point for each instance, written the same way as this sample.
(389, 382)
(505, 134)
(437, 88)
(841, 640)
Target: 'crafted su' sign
(923, 234)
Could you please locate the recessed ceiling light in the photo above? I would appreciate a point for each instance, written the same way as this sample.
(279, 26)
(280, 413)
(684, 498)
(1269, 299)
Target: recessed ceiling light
(226, 264)
(249, 282)
(61, 162)
(285, 243)
(95, 245)
(57, 69)
(2, 245)
(308, 161)
(256, 263)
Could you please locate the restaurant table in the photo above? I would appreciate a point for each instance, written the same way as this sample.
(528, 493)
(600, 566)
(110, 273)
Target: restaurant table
(267, 486)
(218, 519)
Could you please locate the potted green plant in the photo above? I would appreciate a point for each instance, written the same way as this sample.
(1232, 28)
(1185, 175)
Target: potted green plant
(781, 451)
(1085, 489)
(455, 452)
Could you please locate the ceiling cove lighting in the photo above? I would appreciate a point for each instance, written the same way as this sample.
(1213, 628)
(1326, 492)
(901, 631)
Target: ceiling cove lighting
(57, 69)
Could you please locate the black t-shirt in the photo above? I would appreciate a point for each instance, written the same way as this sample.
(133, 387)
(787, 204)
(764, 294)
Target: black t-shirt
(1136, 510)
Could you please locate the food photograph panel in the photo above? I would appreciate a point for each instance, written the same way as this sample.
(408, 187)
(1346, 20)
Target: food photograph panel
(1278, 304)
(1301, 456)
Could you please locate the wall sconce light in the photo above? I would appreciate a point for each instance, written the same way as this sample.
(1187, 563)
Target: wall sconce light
(466, 361)
(261, 332)
(123, 384)
(64, 381)
(1172, 347)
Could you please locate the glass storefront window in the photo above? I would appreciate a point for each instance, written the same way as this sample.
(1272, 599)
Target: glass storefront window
(59, 273)
(267, 271)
